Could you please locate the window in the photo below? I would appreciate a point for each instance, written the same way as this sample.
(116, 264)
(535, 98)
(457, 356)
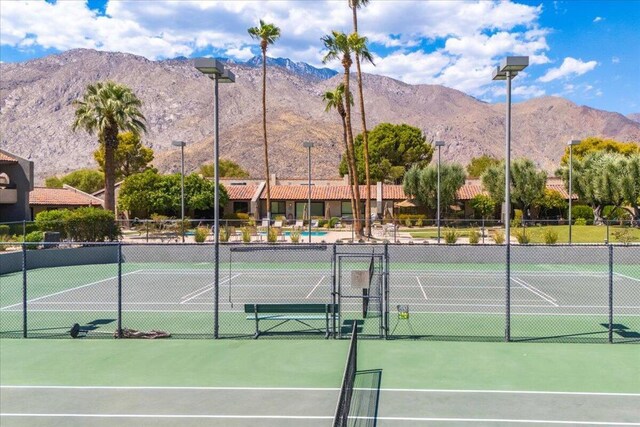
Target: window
(241, 207)
(317, 209)
(278, 208)
(345, 209)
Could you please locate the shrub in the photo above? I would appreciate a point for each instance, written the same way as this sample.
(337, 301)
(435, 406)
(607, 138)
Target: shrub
(333, 221)
(474, 237)
(322, 222)
(450, 236)
(5, 230)
(618, 213)
(624, 236)
(407, 222)
(272, 235)
(517, 220)
(580, 221)
(33, 238)
(246, 234)
(295, 236)
(201, 233)
(522, 237)
(584, 212)
(550, 237)
(224, 234)
(55, 220)
(402, 217)
(498, 237)
(419, 222)
(92, 225)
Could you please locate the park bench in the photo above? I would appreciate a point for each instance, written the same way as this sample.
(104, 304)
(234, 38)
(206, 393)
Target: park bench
(283, 313)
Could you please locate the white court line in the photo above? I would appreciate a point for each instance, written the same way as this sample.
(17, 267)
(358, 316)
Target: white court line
(208, 288)
(529, 285)
(411, 390)
(530, 288)
(197, 290)
(68, 290)
(626, 277)
(322, 417)
(315, 287)
(421, 288)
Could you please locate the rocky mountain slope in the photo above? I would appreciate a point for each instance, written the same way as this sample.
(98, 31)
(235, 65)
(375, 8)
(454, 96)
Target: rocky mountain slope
(36, 114)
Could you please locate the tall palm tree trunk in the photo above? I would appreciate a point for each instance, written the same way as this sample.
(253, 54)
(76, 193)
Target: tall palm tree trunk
(346, 148)
(264, 128)
(354, 178)
(110, 146)
(365, 136)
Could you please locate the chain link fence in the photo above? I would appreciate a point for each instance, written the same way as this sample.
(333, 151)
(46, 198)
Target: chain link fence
(554, 293)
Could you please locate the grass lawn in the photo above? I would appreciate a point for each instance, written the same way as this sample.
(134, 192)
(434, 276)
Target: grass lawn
(579, 233)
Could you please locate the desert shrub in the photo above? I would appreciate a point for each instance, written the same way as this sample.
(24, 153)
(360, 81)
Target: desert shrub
(402, 217)
(333, 221)
(522, 237)
(246, 234)
(272, 235)
(322, 222)
(54, 220)
(580, 221)
(201, 233)
(5, 230)
(550, 237)
(624, 236)
(584, 212)
(419, 222)
(474, 237)
(32, 239)
(407, 222)
(224, 234)
(498, 237)
(517, 220)
(295, 236)
(450, 236)
(92, 225)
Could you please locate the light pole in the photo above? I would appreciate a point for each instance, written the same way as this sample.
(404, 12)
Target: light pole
(507, 70)
(439, 144)
(216, 72)
(308, 144)
(571, 143)
(181, 144)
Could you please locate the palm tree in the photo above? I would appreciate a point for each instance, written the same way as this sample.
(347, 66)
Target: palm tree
(267, 34)
(355, 5)
(335, 99)
(107, 108)
(340, 46)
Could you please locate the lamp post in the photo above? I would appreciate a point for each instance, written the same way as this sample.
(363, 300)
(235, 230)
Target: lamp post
(215, 71)
(439, 144)
(507, 70)
(181, 144)
(571, 143)
(308, 144)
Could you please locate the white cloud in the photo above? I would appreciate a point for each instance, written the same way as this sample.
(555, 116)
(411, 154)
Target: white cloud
(598, 19)
(241, 54)
(615, 60)
(570, 66)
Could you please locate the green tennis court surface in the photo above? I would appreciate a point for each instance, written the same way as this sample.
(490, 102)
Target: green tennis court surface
(446, 301)
(295, 382)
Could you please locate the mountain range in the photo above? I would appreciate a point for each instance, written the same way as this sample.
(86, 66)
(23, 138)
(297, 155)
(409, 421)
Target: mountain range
(36, 113)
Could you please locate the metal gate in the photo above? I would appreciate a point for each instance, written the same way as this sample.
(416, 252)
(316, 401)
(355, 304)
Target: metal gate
(360, 290)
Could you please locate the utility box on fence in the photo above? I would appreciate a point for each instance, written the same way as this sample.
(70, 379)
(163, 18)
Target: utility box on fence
(51, 237)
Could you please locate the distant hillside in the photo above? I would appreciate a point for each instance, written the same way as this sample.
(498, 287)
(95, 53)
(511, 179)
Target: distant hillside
(634, 116)
(37, 112)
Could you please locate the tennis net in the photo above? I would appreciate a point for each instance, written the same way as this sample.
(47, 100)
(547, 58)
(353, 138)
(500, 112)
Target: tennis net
(346, 391)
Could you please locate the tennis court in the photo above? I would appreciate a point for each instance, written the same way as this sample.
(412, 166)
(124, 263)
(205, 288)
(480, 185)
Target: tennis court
(292, 383)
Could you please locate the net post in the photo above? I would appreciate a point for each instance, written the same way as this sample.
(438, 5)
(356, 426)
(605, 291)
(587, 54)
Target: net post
(24, 289)
(610, 293)
(119, 289)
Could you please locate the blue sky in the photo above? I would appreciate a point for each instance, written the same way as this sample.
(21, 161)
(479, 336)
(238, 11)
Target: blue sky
(586, 51)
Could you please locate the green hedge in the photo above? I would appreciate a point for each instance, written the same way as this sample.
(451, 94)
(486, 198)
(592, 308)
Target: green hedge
(82, 225)
(55, 220)
(582, 211)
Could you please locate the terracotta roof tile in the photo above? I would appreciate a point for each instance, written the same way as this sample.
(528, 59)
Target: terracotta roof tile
(330, 192)
(241, 192)
(5, 158)
(41, 196)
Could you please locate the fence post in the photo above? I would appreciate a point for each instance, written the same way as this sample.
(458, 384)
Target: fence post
(333, 287)
(24, 290)
(119, 289)
(610, 293)
(507, 328)
(24, 229)
(385, 292)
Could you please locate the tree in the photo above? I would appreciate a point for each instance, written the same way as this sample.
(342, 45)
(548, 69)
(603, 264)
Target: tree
(478, 165)
(228, 169)
(393, 150)
(424, 184)
(267, 34)
(483, 205)
(335, 99)
(551, 201)
(340, 46)
(595, 144)
(87, 180)
(527, 183)
(150, 193)
(107, 108)
(130, 156)
(361, 51)
(631, 186)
